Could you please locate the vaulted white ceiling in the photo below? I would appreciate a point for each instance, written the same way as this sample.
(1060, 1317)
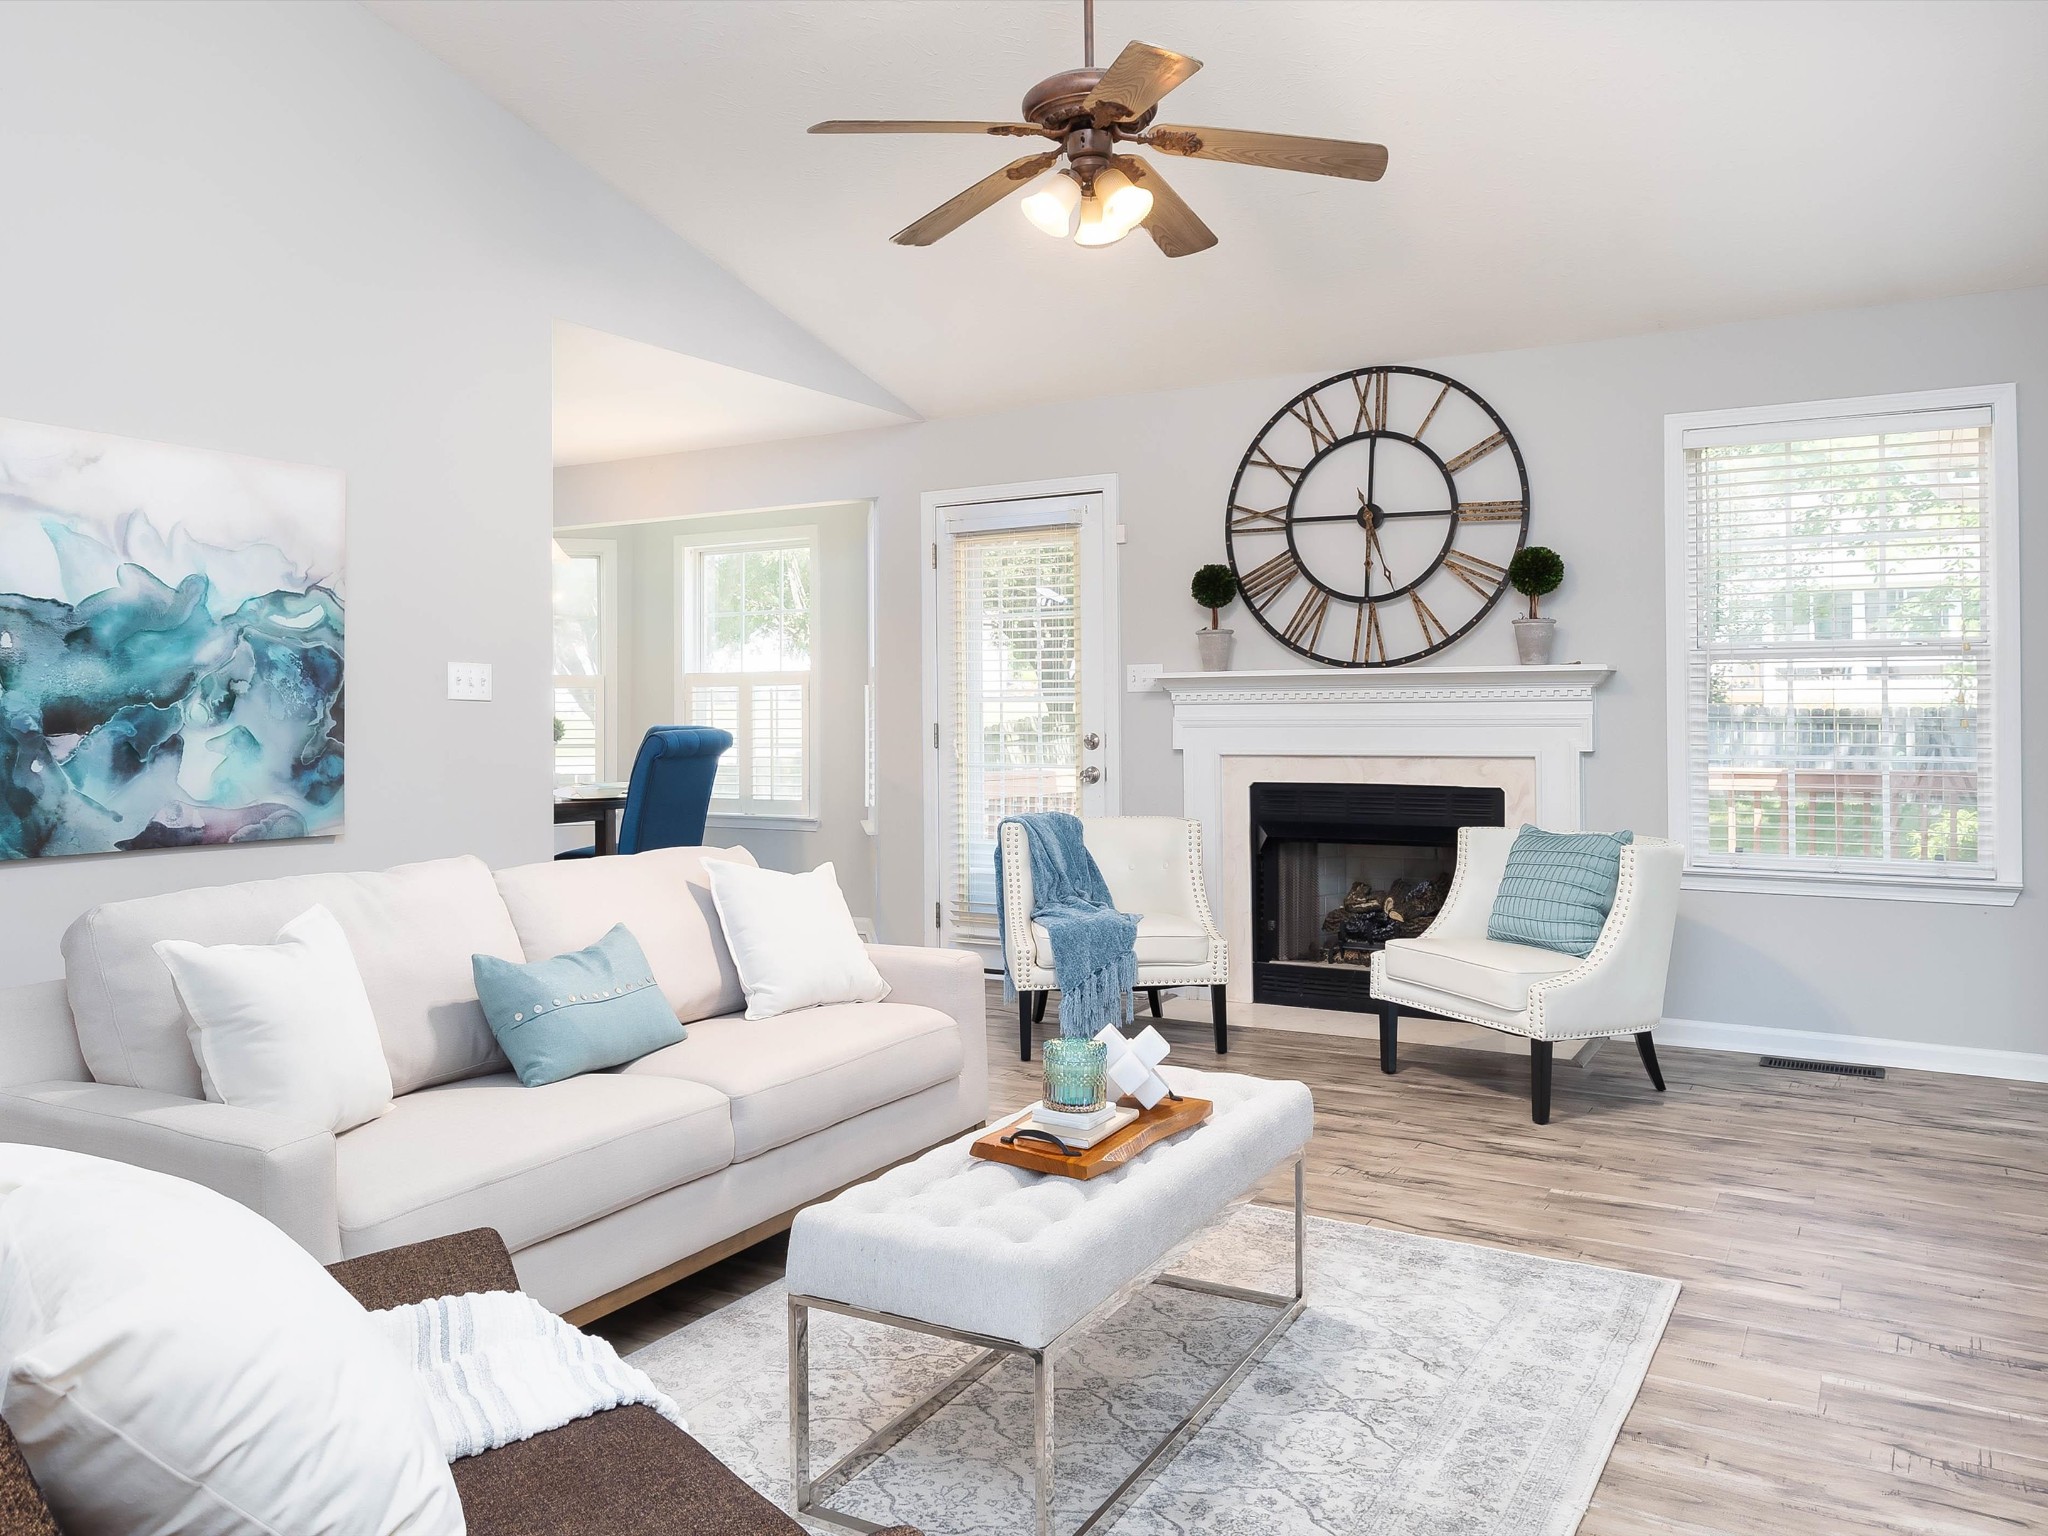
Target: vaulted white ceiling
(1558, 171)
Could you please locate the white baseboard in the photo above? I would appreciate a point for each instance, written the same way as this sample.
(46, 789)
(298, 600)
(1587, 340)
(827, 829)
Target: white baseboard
(1866, 1050)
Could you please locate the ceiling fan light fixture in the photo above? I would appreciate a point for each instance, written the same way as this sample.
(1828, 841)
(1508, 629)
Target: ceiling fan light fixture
(1054, 205)
(1096, 228)
(1124, 203)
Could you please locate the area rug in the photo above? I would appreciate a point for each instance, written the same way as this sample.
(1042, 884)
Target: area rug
(1430, 1388)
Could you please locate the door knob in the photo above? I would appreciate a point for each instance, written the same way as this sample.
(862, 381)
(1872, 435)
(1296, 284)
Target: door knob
(1091, 741)
(1091, 775)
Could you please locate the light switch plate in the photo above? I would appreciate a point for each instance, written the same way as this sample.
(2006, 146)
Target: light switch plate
(1142, 676)
(469, 680)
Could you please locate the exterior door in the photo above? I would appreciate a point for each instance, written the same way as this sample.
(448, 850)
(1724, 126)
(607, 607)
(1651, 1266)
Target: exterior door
(1022, 687)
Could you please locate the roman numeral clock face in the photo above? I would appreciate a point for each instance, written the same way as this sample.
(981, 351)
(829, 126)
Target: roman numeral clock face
(1373, 518)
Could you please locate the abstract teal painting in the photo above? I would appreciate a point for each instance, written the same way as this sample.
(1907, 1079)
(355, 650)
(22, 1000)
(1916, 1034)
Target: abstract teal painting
(171, 644)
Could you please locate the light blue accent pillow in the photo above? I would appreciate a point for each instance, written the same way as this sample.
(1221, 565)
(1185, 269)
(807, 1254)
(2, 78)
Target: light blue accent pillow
(581, 1012)
(1558, 889)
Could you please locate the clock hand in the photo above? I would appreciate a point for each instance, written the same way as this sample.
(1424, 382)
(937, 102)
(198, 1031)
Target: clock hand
(1372, 463)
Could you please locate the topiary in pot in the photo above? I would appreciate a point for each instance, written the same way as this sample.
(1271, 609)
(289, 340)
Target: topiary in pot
(1535, 572)
(1214, 587)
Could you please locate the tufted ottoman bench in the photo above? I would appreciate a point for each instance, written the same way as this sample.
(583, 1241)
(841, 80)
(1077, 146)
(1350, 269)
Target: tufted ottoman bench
(1020, 1263)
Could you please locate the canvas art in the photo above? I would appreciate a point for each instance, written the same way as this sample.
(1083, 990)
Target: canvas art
(171, 644)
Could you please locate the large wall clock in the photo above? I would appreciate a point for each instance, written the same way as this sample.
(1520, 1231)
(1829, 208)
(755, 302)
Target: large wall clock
(1373, 518)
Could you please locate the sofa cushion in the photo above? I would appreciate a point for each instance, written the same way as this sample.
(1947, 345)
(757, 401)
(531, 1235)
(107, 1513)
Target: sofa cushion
(1488, 970)
(801, 1072)
(530, 1162)
(1161, 941)
(412, 930)
(662, 895)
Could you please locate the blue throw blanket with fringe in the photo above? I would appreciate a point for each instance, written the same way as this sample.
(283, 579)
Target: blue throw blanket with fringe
(1092, 943)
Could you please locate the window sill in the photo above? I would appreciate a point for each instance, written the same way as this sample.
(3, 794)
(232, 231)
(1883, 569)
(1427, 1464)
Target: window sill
(762, 823)
(1976, 893)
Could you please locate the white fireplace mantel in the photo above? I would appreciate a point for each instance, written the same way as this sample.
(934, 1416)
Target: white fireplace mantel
(1447, 724)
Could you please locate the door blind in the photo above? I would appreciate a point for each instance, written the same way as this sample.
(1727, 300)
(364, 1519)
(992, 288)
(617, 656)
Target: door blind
(1838, 674)
(1014, 709)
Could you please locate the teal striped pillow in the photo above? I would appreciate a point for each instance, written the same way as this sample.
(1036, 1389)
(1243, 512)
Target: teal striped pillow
(1558, 889)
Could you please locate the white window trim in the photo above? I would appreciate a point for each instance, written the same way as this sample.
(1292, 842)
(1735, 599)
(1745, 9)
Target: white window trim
(2002, 885)
(606, 553)
(689, 548)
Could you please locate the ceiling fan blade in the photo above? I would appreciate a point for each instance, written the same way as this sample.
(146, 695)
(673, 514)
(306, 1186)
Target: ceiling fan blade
(1276, 151)
(1132, 85)
(995, 130)
(979, 198)
(1172, 224)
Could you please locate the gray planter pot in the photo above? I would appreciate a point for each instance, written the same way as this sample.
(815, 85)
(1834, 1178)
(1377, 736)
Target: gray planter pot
(1215, 645)
(1533, 640)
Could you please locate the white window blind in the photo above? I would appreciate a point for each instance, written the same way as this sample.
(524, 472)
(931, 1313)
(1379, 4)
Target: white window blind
(747, 667)
(1839, 651)
(1014, 710)
(583, 626)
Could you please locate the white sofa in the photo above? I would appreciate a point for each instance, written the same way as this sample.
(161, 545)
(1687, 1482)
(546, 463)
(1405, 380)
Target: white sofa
(603, 1186)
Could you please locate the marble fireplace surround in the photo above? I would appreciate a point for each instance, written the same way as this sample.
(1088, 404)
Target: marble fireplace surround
(1522, 729)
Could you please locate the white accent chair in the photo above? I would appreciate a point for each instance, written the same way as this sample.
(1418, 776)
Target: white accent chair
(1153, 867)
(1454, 971)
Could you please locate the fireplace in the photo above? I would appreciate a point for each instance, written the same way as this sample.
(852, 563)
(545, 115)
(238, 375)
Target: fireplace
(1339, 869)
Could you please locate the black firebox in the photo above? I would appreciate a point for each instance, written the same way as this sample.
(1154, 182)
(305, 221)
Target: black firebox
(1339, 869)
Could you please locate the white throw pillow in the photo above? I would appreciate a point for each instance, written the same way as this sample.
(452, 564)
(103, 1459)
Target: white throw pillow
(792, 939)
(176, 1364)
(284, 1027)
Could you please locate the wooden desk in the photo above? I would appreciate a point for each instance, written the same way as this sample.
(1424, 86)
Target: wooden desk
(597, 809)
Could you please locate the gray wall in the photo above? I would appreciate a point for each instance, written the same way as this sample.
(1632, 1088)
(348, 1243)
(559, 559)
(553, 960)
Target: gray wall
(647, 683)
(1589, 419)
(286, 230)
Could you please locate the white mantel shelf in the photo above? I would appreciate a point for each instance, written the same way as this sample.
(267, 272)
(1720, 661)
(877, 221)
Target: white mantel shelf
(1299, 684)
(1523, 727)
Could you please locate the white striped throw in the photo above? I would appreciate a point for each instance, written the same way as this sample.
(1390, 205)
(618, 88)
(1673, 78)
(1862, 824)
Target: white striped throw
(497, 1366)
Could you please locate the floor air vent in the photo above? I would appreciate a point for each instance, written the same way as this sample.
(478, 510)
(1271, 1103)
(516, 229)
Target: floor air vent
(1837, 1068)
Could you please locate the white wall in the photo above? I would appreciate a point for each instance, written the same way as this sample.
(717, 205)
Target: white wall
(649, 650)
(1589, 420)
(286, 230)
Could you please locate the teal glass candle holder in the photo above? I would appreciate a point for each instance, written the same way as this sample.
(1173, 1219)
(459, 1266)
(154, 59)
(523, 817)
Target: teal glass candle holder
(1076, 1074)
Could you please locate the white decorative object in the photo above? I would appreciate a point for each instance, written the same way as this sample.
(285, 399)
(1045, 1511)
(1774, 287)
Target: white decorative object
(1134, 1063)
(1454, 971)
(792, 939)
(1214, 646)
(175, 1363)
(1045, 1115)
(284, 1027)
(1114, 1118)
(497, 1366)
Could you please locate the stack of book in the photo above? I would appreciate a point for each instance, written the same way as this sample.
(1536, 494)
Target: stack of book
(1080, 1130)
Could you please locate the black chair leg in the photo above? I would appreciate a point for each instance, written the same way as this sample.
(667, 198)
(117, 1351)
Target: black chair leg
(1647, 1049)
(1390, 1038)
(1539, 1081)
(1219, 1008)
(1157, 1011)
(1024, 1000)
(1038, 1006)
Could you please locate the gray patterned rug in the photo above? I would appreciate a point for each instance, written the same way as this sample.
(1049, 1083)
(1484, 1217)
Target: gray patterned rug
(1430, 1389)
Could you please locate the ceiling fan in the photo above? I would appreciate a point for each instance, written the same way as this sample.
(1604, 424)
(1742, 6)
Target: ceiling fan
(1100, 196)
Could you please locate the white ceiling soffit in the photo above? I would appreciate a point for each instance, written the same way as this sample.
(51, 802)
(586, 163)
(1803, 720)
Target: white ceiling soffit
(1559, 171)
(622, 399)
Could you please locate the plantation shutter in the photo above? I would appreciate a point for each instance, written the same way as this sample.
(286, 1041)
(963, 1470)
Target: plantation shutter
(1837, 667)
(1014, 710)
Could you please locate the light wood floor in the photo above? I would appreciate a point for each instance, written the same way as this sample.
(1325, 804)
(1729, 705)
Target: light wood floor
(1861, 1345)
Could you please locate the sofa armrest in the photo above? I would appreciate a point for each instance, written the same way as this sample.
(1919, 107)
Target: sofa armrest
(281, 1169)
(949, 980)
(1619, 987)
(453, 1265)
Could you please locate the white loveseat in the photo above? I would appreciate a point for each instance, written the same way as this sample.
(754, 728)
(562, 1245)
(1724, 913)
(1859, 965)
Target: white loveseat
(603, 1186)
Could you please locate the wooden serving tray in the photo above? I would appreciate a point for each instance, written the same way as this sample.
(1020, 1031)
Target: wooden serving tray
(1169, 1117)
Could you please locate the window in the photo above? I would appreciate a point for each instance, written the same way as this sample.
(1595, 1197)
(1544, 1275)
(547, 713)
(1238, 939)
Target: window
(1844, 673)
(746, 611)
(585, 609)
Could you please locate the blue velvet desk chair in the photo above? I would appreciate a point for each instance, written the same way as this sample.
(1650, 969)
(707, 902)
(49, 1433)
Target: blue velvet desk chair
(670, 790)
